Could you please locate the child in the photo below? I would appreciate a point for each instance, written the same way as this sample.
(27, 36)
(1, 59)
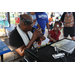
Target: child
(36, 25)
(54, 34)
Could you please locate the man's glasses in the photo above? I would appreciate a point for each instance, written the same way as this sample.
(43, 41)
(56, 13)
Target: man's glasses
(26, 21)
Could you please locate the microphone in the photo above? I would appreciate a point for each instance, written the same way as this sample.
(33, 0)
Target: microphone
(33, 29)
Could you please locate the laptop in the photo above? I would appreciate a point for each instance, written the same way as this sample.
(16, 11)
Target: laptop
(65, 45)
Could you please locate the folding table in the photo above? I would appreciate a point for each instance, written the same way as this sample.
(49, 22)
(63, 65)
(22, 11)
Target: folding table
(3, 49)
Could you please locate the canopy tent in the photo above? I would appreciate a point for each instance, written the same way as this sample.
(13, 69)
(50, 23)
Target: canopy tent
(8, 17)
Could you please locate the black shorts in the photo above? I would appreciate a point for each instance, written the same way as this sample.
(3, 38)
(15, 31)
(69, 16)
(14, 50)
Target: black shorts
(51, 26)
(69, 31)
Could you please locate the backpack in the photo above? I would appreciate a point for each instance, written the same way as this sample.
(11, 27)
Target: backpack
(69, 20)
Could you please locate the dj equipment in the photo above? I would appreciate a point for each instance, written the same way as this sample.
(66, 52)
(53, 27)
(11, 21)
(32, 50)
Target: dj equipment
(47, 53)
(26, 21)
(39, 55)
(65, 45)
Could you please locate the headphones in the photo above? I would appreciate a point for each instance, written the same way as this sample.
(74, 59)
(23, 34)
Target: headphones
(26, 21)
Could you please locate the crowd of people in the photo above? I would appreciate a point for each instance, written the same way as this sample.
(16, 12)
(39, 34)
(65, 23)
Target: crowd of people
(29, 33)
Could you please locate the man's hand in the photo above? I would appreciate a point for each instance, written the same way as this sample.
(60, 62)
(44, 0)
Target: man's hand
(36, 34)
(42, 37)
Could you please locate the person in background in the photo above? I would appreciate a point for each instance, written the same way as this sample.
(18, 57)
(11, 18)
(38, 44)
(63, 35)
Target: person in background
(36, 25)
(24, 12)
(59, 16)
(68, 19)
(42, 19)
(54, 34)
(57, 19)
(51, 22)
(52, 14)
(28, 13)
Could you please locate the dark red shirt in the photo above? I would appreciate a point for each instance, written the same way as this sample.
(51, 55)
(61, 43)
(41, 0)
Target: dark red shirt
(54, 35)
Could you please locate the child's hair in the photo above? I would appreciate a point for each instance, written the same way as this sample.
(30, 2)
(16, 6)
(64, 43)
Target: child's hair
(59, 23)
(56, 17)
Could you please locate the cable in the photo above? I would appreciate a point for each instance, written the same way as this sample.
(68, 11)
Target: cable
(63, 59)
(71, 57)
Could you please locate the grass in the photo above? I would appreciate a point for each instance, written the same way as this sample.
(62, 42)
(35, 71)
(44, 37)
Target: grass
(12, 21)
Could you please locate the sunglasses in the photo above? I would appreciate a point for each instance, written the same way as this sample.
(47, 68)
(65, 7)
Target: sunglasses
(26, 21)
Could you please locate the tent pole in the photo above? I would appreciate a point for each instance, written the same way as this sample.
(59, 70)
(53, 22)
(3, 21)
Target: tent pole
(8, 18)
